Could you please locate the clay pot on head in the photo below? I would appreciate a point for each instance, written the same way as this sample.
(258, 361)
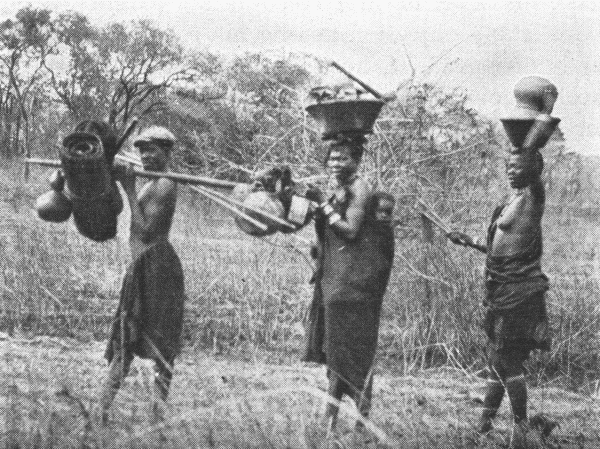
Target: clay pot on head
(54, 207)
(529, 95)
(529, 92)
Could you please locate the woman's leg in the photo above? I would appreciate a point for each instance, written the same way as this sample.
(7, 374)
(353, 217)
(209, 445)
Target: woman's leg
(494, 392)
(516, 387)
(363, 401)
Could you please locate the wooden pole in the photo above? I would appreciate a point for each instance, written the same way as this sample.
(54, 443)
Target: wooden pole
(362, 84)
(187, 179)
(226, 205)
(178, 177)
(265, 214)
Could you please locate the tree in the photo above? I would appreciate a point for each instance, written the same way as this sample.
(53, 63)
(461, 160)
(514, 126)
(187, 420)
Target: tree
(25, 42)
(141, 61)
(76, 69)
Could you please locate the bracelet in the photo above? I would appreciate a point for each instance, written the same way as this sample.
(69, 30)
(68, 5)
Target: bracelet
(327, 209)
(333, 218)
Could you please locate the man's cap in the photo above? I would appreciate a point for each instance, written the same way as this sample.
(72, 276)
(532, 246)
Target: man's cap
(157, 134)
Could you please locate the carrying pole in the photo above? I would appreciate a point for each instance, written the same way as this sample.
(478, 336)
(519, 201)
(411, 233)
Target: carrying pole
(177, 177)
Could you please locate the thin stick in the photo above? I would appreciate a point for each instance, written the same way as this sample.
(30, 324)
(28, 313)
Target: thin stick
(231, 207)
(364, 85)
(189, 179)
(450, 153)
(430, 210)
(432, 216)
(127, 132)
(128, 159)
(43, 162)
(264, 213)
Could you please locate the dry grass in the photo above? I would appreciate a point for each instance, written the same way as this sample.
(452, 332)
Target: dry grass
(247, 301)
(51, 386)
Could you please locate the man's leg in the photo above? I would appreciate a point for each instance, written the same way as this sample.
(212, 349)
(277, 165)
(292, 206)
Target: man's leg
(163, 374)
(118, 369)
(336, 391)
(494, 392)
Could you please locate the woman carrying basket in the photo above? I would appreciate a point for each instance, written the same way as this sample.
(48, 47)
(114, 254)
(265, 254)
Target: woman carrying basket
(355, 255)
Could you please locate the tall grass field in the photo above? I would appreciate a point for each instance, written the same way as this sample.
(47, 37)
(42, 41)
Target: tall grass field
(239, 383)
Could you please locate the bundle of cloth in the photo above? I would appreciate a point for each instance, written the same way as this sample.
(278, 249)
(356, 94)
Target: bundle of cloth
(85, 186)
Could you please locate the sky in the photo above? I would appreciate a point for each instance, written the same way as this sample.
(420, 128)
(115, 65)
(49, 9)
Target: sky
(484, 47)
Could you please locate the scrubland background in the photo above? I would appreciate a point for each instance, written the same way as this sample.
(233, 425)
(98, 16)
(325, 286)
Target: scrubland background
(240, 383)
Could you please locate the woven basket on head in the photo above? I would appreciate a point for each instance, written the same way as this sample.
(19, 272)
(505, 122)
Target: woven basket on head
(354, 116)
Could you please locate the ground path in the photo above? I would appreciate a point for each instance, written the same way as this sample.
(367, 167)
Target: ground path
(49, 387)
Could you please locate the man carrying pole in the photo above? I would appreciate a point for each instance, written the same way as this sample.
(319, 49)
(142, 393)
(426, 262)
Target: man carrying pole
(516, 319)
(149, 319)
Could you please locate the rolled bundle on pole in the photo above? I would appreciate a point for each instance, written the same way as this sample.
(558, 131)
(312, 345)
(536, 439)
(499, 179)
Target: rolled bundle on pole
(90, 186)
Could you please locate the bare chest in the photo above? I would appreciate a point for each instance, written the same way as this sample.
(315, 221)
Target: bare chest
(146, 193)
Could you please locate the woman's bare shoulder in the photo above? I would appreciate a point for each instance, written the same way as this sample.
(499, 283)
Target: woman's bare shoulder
(360, 187)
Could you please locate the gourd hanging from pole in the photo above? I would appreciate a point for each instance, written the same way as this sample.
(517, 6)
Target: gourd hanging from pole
(84, 185)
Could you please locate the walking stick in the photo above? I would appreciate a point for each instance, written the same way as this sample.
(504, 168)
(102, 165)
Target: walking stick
(364, 85)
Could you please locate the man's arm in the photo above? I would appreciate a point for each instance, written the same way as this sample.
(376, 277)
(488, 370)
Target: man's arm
(156, 215)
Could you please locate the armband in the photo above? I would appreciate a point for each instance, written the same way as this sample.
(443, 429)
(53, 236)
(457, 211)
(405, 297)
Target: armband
(543, 117)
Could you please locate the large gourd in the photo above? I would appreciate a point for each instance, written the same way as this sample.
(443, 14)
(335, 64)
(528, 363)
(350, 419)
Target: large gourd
(263, 200)
(54, 206)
